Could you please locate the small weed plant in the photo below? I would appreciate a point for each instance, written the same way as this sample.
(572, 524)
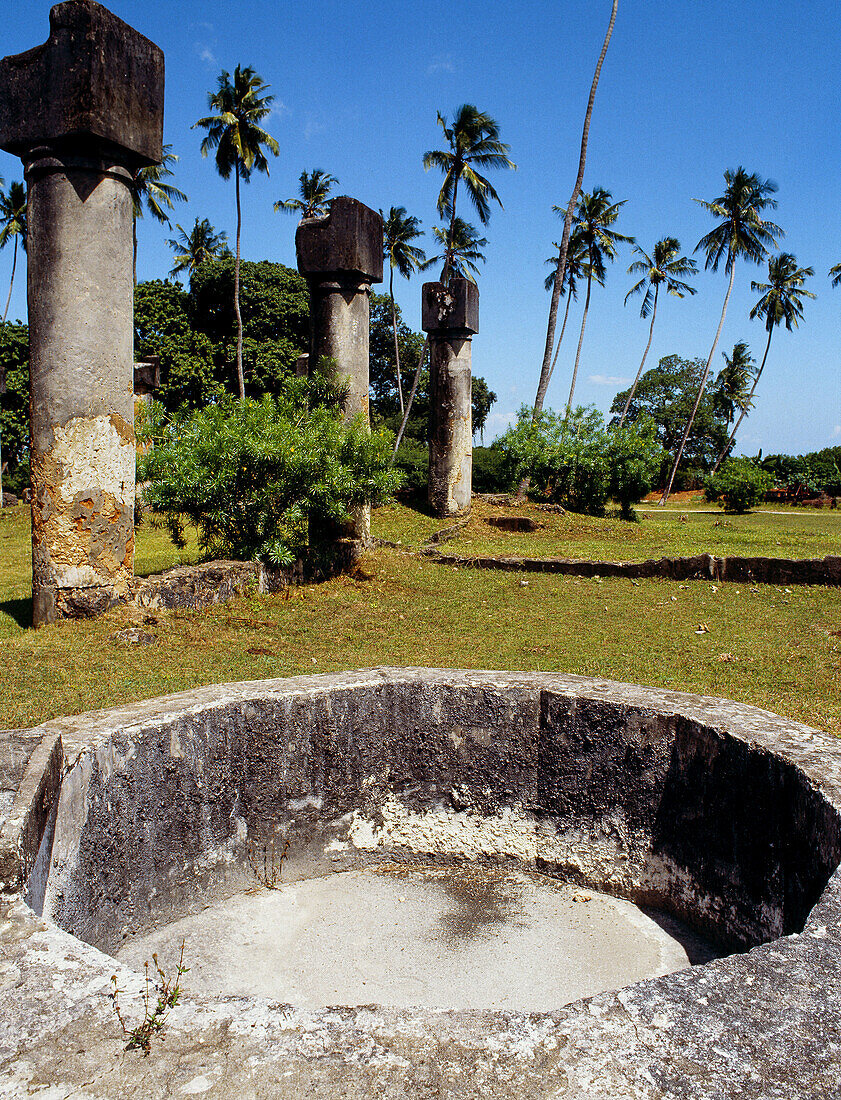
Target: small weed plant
(160, 996)
(266, 863)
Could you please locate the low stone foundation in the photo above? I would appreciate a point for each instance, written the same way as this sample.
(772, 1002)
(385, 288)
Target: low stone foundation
(825, 570)
(727, 816)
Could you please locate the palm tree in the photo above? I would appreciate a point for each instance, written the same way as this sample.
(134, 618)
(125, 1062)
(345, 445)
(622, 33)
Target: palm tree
(461, 246)
(661, 268)
(314, 188)
(835, 274)
(12, 227)
(781, 301)
(473, 141)
(734, 380)
(399, 230)
(546, 370)
(576, 268)
(193, 248)
(594, 216)
(741, 233)
(149, 187)
(238, 138)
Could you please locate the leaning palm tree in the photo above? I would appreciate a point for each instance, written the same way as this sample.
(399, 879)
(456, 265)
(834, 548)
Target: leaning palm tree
(13, 227)
(595, 214)
(462, 250)
(473, 141)
(576, 268)
(399, 230)
(238, 138)
(151, 190)
(661, 268)
(741, 233)
(193, 248)
(781, 301)
(314, 188)
(546, 370)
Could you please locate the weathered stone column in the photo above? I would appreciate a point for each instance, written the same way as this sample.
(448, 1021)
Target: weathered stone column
(340, 255)
(83, 112)
(451, 317)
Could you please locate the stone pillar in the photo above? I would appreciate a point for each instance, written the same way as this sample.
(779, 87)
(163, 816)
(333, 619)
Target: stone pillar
(450, 316)
(83, 112)
(340, 255)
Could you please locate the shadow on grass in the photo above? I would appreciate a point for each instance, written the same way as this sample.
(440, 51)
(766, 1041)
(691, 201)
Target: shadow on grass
(18, 610)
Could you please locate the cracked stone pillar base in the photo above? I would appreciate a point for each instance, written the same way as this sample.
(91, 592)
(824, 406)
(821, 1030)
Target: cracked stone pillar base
(340, 255)
(450, 317)
(84, 112)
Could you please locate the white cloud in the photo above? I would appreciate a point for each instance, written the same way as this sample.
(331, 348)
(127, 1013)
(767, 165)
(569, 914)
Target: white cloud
(608, 380)
(836, 431)
(207, 55)
(442, 63)
(496, 424)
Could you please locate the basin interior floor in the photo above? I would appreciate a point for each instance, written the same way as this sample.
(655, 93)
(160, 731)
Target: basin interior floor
(457, 937)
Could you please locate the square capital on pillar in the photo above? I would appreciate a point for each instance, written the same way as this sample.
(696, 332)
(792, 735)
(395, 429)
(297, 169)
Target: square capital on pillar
(94, 78)
(346, 242)
(450, 308)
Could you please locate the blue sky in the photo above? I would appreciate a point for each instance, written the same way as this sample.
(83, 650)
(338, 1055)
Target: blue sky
(689, 88)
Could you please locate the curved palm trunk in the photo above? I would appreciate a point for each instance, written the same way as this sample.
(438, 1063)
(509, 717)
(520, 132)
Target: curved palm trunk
(561, 337)
(11, 283)
(240, 375)
(580, 342)
(691, 420)
(546, 368)
(396, 346)
(644, 354)
(748, 403)
(409, 400)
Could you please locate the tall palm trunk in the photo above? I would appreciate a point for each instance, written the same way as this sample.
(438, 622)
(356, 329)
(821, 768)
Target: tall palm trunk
(240, 375)
(409, 401)
(546, 367)
(580, 342)
(448, 257)
(394, 330)
(748, 404)
(561, 337)
(644, 354)
(691, 420)
(11, 283)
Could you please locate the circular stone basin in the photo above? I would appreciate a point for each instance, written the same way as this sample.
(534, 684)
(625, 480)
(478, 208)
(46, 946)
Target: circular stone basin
(443, 828)
(441, 937)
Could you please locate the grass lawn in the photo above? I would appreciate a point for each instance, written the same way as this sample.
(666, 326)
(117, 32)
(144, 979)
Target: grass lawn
(674, 531)
(764, 645)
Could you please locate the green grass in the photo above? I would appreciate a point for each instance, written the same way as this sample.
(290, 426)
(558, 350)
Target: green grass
(763, 645)
(798, 533)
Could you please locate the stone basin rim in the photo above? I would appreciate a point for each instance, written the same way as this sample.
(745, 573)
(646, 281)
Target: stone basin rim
(762, 1006)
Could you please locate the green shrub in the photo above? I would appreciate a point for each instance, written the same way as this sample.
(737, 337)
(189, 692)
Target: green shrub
(253, 475)
(738, 485)
(412, 463)
(490, 471)
(577, 462)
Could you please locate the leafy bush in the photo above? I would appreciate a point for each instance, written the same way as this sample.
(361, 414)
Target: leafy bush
(253, 475)
(738, 485)
(577, 462)
(412, 462)
(490, 472)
